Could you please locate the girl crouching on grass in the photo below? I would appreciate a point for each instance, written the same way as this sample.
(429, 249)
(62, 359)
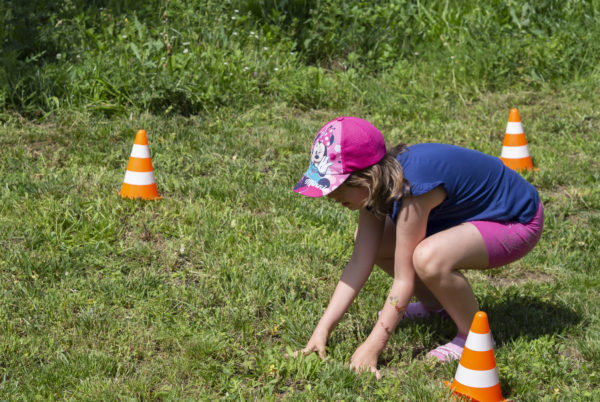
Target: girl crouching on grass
(426, 212)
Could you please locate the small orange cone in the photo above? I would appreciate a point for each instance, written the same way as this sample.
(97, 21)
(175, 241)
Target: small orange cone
(139, 179)
(515, 152)
(477, 376)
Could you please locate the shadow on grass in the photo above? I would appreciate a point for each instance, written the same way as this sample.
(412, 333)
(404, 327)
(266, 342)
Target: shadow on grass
(529, 317)
(511, 316)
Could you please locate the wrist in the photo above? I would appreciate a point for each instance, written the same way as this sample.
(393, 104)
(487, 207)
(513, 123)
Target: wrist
(378, 337)
(322, 331)
(373, 347)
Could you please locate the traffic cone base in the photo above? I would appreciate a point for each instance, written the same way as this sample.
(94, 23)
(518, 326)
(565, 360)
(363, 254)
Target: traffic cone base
(477, 376)
(518, 164)
(515, 152)
(476, 394)
(147, 192)
(139, 181)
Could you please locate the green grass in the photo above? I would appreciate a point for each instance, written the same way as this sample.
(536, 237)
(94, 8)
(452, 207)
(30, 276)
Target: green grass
(199, 295)
(115, 57)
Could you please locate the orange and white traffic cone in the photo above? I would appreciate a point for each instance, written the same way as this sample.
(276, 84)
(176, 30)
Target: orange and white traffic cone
(139, 179)
(515, 152)
(477, 376)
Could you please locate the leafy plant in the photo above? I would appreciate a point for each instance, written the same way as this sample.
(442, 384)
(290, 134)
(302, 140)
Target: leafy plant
(180, 57)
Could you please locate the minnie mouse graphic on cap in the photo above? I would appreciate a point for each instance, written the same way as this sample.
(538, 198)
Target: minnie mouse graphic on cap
(324, 154)
(342, 146)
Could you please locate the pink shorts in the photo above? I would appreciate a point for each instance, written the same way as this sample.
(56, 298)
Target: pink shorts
(508, 241)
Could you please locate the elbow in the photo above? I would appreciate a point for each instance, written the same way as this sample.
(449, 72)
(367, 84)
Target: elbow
(356, 273)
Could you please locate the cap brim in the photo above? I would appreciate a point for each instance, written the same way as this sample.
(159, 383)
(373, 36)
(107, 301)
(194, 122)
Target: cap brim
(320, 186)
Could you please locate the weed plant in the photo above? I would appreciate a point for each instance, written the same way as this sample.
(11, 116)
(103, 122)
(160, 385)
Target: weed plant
(186, 57)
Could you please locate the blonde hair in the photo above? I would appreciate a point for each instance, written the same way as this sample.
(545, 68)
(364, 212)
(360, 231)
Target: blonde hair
(384, 181)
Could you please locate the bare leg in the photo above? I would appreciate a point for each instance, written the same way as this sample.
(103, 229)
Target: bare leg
(439, 283)
(437, 260)
(385, 261)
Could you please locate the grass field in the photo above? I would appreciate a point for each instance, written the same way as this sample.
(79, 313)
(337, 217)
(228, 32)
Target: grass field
(199, 295)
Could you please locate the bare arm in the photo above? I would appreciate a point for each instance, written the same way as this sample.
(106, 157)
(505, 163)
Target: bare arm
(410, 231)
(355, 274)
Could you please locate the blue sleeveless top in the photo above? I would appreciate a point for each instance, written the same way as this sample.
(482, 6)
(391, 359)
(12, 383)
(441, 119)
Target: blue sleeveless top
(478, 186)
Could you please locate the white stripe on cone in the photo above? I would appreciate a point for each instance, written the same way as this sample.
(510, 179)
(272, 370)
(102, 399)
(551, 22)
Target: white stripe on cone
(139, 178)
(515, 152)
(476, 378)
(514, 127)
(479, 342)
(140, 151)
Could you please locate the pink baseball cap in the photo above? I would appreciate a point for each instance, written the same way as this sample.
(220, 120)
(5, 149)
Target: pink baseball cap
(341, 146)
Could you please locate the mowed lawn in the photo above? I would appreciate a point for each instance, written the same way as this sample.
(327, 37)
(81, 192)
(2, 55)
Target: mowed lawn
(199, 295)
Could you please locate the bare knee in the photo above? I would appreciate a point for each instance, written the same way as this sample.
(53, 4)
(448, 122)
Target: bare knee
(427, 262)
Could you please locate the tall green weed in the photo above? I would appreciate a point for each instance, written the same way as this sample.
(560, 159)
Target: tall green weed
(496, 43)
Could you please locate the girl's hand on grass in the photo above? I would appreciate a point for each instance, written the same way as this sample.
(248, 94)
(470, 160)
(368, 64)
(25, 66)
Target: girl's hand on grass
(365, 359)
(316, 343)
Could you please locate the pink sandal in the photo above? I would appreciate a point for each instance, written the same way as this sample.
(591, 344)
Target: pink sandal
(418, 310)
(451, 351)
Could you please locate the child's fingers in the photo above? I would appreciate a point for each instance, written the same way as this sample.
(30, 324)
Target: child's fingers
(291, 354)
(376, 372)
(320, 351)
(306, 352)
(362, 369)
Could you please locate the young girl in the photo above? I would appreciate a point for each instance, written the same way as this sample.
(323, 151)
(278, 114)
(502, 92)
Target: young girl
(426, 212)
